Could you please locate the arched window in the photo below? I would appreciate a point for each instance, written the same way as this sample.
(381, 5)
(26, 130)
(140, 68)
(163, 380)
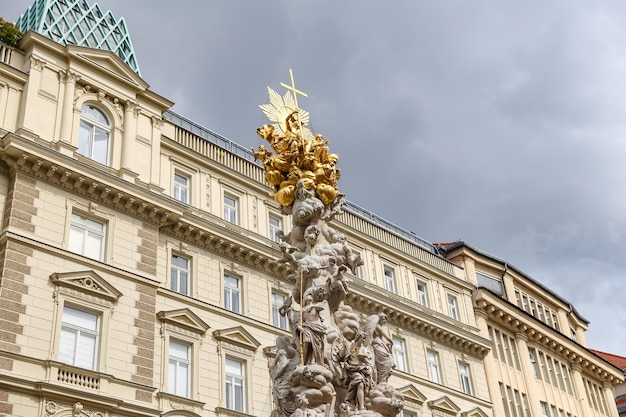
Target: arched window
(95, 134)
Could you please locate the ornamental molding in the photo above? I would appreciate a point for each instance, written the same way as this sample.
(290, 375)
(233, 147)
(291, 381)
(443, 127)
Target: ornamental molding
(443, 407)
(418, 322)
(87, 282)
(77, 183)
(474, 412)
(55, 409)
(412, 395)
(237, 337)
(499, 311)
(185, 319)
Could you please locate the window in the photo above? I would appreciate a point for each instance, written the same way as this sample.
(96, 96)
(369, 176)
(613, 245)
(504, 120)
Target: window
(507, 349)
(551, 371)
(422, 295)
(179, 274)
(518, 403)
(511, 404)
(533, 363)
(499, 345)
(452, 308)
(542, 364)
(540, 312)
(514, 353)
(95, 132)
(565, 373)
(494, 351)
(277, 302)
(526, 407)
(466, 382)
(390, 282)
(505, 404)
(517, 298)
(179, 368)
(232, 293)
(433, 366)
(181, 188)
(231, 209)
(524, 302)
(79, 338)
(572, 333)
(398, 354)
(87, 237)
(544, 409)
(276, 227)
(555, 322)
(235, 397)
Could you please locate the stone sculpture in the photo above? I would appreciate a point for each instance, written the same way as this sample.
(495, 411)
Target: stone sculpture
(327, 367)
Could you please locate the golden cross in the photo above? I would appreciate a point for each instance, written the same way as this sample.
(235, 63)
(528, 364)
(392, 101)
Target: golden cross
(292, 88)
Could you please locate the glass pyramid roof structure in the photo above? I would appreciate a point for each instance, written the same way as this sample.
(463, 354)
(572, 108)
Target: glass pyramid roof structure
(76, 22)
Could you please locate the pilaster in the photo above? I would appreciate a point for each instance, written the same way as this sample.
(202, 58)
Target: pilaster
(68, 78)
(488, 361)
(529, 379)
(583, 400)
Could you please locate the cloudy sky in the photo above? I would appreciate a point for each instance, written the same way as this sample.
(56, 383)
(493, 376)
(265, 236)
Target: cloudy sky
(499, 123)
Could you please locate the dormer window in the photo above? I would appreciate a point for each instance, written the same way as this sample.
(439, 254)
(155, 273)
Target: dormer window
(95, 134)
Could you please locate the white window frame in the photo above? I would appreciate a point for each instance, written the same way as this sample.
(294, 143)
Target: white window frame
(399, 354)
(81, 229)
(277, 320)
(465, 377)
(91, 127)
(389, 274)
(232, 293)
(532, 355)
(275, 228)
(434, 371)
(80, 334)
(177, 270)
(232, 381)
(453, 307)
(175, 364)
(231, 211)
(422, 293)
(181, 191)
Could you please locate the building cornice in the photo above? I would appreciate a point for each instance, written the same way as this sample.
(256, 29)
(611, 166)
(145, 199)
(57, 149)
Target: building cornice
(429, 323)
(508, 316)
(105, 186)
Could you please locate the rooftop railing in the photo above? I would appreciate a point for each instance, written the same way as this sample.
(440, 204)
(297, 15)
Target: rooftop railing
(188, 136)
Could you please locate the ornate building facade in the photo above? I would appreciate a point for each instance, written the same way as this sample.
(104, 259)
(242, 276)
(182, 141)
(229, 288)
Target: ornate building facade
(147, 286)
(539, 363)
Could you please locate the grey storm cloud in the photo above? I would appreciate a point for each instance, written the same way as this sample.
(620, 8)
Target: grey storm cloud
(499, 123)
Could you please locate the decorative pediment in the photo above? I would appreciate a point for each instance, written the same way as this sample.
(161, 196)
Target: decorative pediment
(444, 406)
(237, 336)
(184, 318)
(108, 61)
(474, 412)
(87, 282)
(412, 394)
(180, 413)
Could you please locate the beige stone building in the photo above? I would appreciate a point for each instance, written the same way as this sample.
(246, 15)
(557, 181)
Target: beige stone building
(539, 364)
(137, 274)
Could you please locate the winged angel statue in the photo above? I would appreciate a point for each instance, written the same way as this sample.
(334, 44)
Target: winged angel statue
(327, 366)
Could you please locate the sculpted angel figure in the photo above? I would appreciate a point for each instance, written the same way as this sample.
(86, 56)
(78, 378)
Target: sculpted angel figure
(382, 345)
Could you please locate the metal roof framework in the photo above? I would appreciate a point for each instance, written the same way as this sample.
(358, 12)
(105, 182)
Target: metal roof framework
(76, 22)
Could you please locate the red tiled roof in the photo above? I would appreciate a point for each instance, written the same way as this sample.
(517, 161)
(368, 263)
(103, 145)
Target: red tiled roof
(615, 360)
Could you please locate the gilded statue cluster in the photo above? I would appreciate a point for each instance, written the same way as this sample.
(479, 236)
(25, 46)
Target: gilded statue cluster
(331, 364)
